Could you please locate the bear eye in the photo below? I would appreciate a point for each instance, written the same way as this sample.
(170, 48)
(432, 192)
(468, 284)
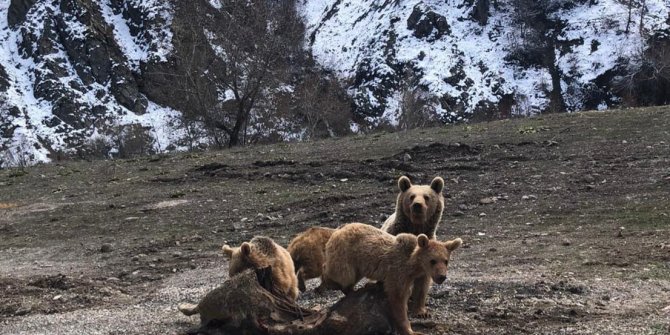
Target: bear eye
(425, 197)
(411, 197)
(433, 262)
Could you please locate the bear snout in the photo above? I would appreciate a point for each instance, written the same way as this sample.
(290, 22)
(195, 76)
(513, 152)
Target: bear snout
(417, 208)
(440, 279)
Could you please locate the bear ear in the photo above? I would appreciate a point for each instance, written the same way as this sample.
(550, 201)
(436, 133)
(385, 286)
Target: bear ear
(422, 240)
(404, 184)
(453, 244)
(246, 248)
(437, 184)
(227, 250)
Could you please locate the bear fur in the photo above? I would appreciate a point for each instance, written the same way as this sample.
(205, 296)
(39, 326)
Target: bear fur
(262, 252)
(358, 250)
(418, 211)
(308, 251)
(418, 208)
(223, 303)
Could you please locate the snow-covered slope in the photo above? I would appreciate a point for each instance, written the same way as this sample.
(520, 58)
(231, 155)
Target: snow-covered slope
(462, 58)
(70, 74)
(86, 75)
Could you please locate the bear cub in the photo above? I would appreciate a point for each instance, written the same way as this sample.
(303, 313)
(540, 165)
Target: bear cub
(358, 250)
(262, 252)
(308, 251)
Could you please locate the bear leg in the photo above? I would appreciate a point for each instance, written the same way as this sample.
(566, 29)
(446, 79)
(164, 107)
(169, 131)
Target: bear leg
(419, 295)
(301, 280)
(329, 284)
(398, 297)
(321, 289)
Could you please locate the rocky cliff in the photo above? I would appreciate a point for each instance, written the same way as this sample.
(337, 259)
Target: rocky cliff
(71, 73)
(481, 58)
(103, 77)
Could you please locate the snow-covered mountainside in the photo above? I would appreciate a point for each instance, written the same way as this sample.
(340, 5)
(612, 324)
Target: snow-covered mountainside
(70, 74)
(463, 53)
(99, 77)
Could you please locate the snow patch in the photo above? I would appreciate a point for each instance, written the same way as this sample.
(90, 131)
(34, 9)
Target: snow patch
(133, 51)
(216, 4)
(157, 44)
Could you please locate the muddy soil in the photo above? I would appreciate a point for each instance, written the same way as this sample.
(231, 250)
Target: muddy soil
(565, 218)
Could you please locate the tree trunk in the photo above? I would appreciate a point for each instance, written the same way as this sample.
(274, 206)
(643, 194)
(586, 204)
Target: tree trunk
(248, 304)
(556, 101)
(234, 134)
(630, 13)
(643, 7)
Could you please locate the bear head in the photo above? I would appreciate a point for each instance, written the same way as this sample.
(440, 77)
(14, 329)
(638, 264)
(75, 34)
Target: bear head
(420, 203)
(241, 258)
(434, 256)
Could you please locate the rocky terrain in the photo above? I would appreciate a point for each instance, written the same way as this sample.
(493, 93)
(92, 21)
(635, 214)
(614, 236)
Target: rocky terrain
(564, 217)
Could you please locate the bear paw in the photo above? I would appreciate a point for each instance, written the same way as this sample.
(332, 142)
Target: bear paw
(422, 313)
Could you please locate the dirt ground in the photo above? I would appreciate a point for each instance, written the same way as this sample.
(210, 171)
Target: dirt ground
(565, 218)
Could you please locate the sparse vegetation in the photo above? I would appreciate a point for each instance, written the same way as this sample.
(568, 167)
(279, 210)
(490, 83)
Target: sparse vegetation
(546, 255)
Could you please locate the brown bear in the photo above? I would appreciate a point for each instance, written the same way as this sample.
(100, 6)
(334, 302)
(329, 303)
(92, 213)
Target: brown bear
(358, 250)
(262, 252)
(418, 211)
(308, 251)
(418, 208)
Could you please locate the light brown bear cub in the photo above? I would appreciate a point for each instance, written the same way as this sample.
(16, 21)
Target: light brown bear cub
(258, 253)
(262, 252)
(418, 211)
(358, 250)
(308, 251)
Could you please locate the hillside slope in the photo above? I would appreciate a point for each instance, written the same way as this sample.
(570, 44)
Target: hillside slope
(564, 218)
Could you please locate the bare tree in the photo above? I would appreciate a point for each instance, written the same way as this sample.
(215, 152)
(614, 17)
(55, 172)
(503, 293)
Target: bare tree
(630, 16)
(323, 104)
(643, 10)
(416, 107)
(234, 59)
(542, 32)
(647, 78)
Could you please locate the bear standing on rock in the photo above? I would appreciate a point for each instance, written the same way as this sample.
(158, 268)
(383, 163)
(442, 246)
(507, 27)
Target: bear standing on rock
(418, 211)
(357, 250)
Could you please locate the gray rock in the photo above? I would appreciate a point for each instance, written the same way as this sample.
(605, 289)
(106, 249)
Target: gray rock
(18, 10)
(106, 247)
(23, 310)
(427, 24)
(488, 200)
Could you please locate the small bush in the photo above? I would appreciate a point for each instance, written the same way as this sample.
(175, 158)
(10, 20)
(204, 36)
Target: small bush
(132, 140)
